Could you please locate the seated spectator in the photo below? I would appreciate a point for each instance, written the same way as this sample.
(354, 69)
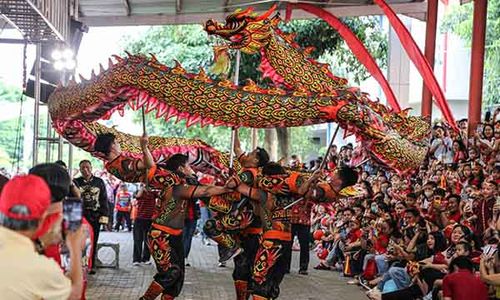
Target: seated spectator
(461, 283)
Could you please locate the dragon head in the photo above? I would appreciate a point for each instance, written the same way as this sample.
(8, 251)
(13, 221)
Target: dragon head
(244, 29)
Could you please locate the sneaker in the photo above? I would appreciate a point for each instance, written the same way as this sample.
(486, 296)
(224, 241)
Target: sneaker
(227, 254)
(374, 294)
(222, 264)
(188, 264)
(303, 272)
(136, 264)
(147, 262)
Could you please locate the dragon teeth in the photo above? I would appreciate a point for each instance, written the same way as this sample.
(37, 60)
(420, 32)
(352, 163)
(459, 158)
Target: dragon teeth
(172, 112)
(161, 110)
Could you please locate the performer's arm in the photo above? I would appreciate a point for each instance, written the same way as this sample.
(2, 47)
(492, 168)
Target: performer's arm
(237, 145)
(198, 191)
(305, 187)
(250, 192)
(147, 162)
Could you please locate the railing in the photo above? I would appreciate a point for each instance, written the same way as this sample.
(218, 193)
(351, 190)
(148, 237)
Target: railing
(39, 20)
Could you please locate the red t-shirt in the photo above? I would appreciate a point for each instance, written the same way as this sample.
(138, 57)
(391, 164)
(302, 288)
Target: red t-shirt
(146, 205)
(354, 236)
(455, 217)
(463, 285)
(382, 240)
(123, 201)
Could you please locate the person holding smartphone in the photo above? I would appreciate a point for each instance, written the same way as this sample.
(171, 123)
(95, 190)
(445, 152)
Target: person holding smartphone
(24, 205)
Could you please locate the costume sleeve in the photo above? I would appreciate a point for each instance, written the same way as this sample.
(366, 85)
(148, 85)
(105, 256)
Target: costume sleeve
(103, 199)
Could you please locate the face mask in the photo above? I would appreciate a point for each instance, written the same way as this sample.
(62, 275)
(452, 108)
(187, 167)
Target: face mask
(428, 194)
(51, 222)
(374, 209)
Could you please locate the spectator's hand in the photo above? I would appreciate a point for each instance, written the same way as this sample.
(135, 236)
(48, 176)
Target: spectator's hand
(488, 261)
(74, 240)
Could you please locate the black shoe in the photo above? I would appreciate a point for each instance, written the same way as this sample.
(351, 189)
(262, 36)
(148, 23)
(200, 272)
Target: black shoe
(227, 254)
(303, 272)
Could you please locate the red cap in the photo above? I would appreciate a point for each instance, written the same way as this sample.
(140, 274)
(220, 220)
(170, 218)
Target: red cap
(29, 191)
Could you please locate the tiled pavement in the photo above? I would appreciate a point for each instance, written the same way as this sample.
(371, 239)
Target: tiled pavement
(204, 280)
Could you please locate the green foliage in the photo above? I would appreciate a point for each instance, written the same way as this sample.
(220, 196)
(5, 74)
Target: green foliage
(330, 48)
(9, 93)
(459, 21)
(8, 139)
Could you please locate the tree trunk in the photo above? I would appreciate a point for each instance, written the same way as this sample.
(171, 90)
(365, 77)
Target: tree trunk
(283, 142)
(270, 143)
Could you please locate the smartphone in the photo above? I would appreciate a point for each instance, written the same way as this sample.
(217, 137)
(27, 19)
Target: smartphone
(72, 213)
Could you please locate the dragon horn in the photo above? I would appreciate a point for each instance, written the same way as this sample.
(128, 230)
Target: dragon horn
(267, 13)
(245, 11)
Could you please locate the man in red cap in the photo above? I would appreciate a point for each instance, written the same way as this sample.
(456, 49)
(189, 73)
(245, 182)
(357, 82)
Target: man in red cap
(23, 207)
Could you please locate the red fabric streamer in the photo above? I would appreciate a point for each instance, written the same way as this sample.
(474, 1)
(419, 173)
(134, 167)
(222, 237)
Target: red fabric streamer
(419, 61)
(356, 46)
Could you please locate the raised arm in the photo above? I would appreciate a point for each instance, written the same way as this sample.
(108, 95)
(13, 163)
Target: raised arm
(237, 144)
(147, 162)
(305, 187)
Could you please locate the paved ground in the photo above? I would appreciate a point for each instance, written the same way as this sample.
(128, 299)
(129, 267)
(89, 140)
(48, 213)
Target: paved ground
(204, 280)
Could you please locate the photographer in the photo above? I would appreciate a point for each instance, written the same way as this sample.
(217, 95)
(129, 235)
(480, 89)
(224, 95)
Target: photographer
(24, 205)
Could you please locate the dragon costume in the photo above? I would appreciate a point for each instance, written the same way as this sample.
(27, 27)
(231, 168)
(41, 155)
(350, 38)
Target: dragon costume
(308, 93)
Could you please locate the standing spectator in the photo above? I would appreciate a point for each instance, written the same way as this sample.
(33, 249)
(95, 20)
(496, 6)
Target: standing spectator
(301, 227)
(484, 211)
(26, 274)
(123, 205)
(95, 202)
(441, 146)
(146, 201)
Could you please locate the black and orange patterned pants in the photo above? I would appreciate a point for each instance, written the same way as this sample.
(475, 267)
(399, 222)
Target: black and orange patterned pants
(269, 268)
(168, 253)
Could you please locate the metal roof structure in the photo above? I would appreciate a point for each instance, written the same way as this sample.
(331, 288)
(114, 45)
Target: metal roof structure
(37, 20)
(159, 12)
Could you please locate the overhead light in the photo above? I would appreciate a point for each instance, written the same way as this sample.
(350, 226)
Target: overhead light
(59, 65)
(56, 55)
(67, 53)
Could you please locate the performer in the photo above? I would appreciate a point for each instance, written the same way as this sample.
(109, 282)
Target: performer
(270, 263)
(165, 235)
(230, 216)
(125, 168)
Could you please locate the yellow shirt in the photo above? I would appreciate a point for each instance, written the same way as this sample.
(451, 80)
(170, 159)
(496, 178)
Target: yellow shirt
(25, 274)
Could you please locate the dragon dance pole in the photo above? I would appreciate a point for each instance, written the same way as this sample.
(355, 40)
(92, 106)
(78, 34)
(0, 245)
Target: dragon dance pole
(323, 163)
(233, 130)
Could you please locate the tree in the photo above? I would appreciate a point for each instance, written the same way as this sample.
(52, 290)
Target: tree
(459, 21)
(191, 46)
(9, 93)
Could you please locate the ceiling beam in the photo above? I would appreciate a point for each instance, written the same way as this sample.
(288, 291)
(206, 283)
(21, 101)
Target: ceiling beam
(126, 5)
(417, 9)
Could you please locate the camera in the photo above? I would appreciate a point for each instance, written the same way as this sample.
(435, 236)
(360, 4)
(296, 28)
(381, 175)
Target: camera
(72, 213)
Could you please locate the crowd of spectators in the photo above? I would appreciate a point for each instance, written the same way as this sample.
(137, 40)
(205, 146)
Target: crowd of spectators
(433, 233)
